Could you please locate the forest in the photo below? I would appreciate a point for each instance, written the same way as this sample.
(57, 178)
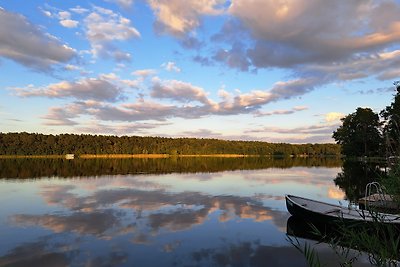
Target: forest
(47, 144)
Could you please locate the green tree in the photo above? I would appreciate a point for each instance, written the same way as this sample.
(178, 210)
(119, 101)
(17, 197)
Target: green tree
(359, 134)
(391, 124)
(40, 144)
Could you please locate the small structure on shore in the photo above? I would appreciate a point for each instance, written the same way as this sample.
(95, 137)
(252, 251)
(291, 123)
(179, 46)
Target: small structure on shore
(379, 200)
(69, 156)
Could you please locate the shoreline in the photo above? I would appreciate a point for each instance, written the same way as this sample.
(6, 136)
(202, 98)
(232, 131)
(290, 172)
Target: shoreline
(93, 156)
(153, 156)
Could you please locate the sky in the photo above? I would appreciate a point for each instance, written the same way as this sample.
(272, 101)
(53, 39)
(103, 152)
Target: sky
(264, 70)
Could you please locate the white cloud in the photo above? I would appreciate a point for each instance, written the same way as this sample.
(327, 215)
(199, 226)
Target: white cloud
(188, 94)
(280, 112)
(318, 133)
(299, 36)
(84, 89)
(141, 110)
(202, 133)
(68, 23)
(171, 66)
(178, 17)
(383, 65)
(191, 102)
(222, 93)
(109, 76)
(103, 28)
(131, 83)
(79, 10)
(64, 15)
(321, 129)
(179, 91)
(144, 73)
(72, 67)
(26, 44)
(115, 79)
(96, 127)
(46, 13)
(241, 103)
(300, 139)
(333, 116)
(105, 25)
(254, 100)
(289, 33)
(60, 116)
(235, 57)
(300, 108)
(123, 3)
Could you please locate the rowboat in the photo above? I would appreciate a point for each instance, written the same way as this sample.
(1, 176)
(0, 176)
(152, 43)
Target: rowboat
(322, 212)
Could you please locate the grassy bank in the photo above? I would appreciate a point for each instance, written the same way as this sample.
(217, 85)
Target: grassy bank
(91, 156)
(32, 156)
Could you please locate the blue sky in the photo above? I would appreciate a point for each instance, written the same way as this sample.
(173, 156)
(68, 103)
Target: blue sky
(276, 71)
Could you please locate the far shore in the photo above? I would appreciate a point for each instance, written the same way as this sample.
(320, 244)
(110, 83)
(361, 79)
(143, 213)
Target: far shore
(91, 156)
(88, 156)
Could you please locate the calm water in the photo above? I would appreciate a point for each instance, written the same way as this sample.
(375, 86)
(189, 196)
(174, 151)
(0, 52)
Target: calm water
(158, 212)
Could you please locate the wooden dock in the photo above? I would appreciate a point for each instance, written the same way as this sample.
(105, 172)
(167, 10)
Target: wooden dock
(379, 201)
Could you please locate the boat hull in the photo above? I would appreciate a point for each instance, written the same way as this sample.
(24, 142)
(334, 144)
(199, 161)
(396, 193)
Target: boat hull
(297, 207)
(308, 215)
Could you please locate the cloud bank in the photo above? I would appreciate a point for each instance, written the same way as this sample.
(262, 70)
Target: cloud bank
(27, 44)
(313, 43)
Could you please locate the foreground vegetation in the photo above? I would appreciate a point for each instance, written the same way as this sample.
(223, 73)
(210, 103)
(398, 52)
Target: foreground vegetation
(367, 134)
(41, 144)
(378, 243)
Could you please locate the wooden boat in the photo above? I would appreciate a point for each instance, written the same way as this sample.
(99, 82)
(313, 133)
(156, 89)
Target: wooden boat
(321, 212)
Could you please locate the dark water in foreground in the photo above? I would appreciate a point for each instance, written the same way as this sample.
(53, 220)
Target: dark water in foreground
(157, 212)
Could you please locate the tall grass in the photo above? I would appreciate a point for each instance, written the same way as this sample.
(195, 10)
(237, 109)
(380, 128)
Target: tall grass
(379, 242)
(307, 250)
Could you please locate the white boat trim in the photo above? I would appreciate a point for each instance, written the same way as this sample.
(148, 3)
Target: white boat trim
(337, 211)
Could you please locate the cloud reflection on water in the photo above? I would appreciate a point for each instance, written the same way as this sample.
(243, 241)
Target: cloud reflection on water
(139, 215)
(104, 210)
(183, 219)
(34, 254)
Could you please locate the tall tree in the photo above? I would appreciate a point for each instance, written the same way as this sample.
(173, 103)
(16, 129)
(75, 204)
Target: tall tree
(359, 134)
(391, 128)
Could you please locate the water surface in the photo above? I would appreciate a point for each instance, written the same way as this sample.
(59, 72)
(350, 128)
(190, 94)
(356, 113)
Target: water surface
(157, 212)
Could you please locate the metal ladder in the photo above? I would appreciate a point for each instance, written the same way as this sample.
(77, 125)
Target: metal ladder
(379, 190)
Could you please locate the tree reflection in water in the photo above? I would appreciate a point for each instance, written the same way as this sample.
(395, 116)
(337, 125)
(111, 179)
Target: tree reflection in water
(356, 175)
(53, 167)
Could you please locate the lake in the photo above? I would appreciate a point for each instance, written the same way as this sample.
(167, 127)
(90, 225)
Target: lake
(160, 212)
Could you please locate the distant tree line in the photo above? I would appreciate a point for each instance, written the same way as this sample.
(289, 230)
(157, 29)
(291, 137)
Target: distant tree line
(47, 144)
(30, 168)
(366, 133)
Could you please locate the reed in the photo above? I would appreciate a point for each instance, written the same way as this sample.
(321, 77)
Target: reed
(93, 156)
(32, 156)
(307, 250)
